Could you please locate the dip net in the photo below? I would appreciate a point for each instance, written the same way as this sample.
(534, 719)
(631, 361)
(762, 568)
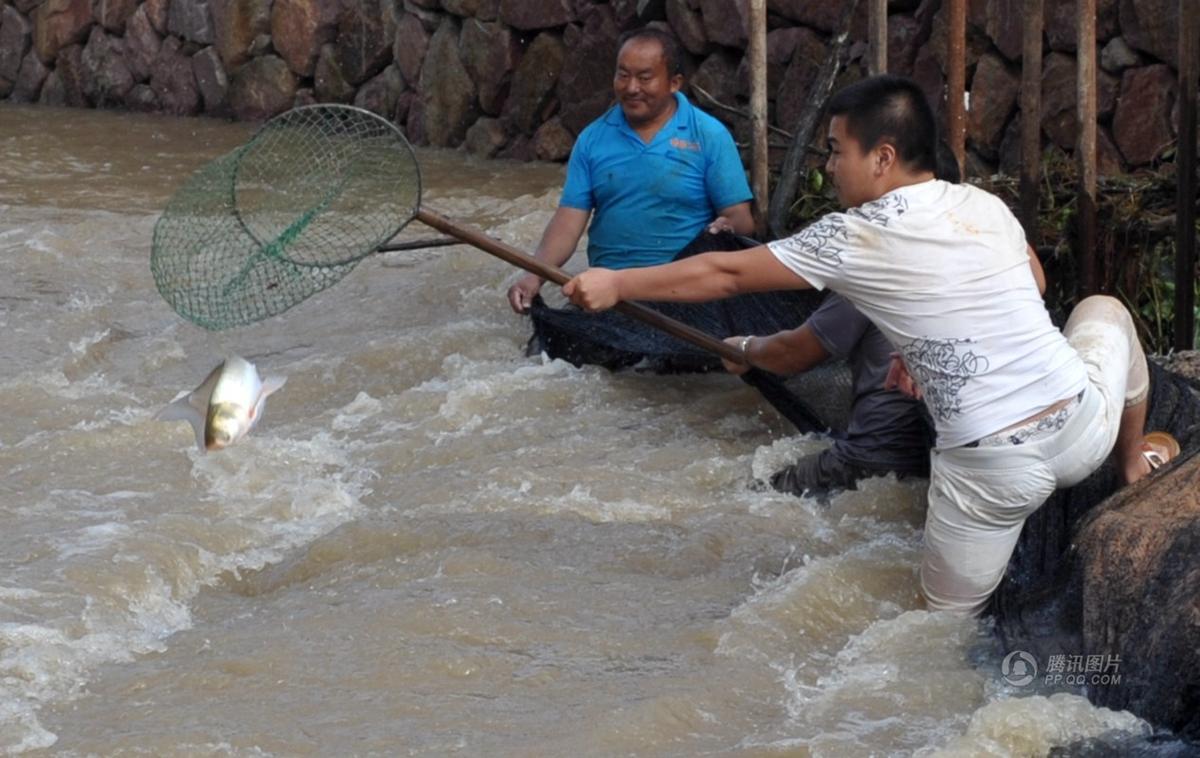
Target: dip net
(291, 212)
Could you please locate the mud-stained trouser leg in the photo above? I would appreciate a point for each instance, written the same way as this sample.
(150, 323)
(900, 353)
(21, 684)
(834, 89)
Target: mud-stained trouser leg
(979, 497)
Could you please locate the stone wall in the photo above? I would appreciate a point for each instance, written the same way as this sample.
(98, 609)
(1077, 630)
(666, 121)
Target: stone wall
(521, 78)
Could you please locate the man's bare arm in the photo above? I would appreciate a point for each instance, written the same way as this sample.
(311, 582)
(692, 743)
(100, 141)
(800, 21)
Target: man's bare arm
(1039, 275)
(740, 217)
(556, 247)
(793, 351)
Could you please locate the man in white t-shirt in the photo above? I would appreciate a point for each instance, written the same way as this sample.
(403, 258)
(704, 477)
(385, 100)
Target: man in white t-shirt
(944, 271)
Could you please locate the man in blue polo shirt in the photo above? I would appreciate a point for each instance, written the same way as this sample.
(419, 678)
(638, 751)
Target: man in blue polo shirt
(651, 173)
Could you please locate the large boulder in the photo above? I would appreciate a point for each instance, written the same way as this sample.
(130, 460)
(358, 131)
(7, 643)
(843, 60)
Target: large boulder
(824, 16)
(994, 91)
(726, 21)
(16, 34)
(262, 88)
(588, 70)
(30, 78)
(158, 11)
(191, 20)
(381, 94)
(236, 25)
(484, 10)
(1152, 26)
(59, 23)
(1062, 29)
(412, 42)
(107, 76)
(577, 114)
(298, 30)
(533, 83)
(211, 80)
(1142, 124)
(329, 82)
(688, 26)
(1059, 118)
(904, 40)
(536, 14)
(1002, 24)
(53, 93)
(173, 82)
(791, 99)
(1118, 56)
(485, 137)
(447, 92)
(366, 31)
(142, 99)
(142, 44)
(490, 52)
(718, 76)
(552, 142)
(114, 14)
(73, 78)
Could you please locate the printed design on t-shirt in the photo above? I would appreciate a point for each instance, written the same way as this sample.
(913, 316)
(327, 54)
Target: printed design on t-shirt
(883, 210)
(825, 239)
(941, 367)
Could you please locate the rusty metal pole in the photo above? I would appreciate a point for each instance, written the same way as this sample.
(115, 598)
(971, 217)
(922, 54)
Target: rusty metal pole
(758, 113)
(877, 34)
(1185, 175)
(956, 83)
(1031, 119)
(1085, 148)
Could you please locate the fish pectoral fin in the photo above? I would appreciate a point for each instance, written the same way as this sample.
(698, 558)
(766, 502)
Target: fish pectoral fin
(272, 384)
(182, 409)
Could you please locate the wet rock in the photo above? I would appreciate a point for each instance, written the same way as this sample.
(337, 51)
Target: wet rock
(1062, 30)
(158, 11)
(1059, 119)
(142, 44)
(262, 88)
(381, 93)
(533, 83)
(519, 148)
(366, 31)
(328, 80)
(688, 25)
(236, 26)
(824, 16)
(173, 81)
(489, 51)
(16, 35)
(994, 91)
(552, 142)
(1118, 56)
(588, 70)
(1002, 24)
(536, 14)
(485, 137)
(726, 21)
(76, 79)
(114, 14)
(30, 78)
(142, 98)
(483, 10)
(414, 126)
(792, 97)
(53, 94)
(412, 42)
(190, 20)
(59, 23)
(447, 92)
(107, 77)
(1142, 124)
(403, 106)
(211, 80)
(299, 28)
(1152, 27)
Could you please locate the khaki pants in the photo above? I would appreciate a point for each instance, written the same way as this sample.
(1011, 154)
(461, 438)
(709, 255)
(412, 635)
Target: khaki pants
(979, 497)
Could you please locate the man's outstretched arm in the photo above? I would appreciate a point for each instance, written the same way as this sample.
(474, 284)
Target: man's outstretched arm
(558, 244)
(700, 278)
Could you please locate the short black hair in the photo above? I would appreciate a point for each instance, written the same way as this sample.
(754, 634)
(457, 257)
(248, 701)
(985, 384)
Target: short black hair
(891, 108)
(670, 46)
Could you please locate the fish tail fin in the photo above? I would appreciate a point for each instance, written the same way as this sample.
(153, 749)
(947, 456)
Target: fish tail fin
(183, 410)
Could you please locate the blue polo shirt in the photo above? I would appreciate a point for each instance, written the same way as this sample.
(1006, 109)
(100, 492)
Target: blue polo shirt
(651, 200)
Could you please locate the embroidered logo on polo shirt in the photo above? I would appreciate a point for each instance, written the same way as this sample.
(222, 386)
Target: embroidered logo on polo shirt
(682, 144)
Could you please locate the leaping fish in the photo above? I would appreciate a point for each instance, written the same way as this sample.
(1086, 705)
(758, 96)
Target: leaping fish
(226, 405)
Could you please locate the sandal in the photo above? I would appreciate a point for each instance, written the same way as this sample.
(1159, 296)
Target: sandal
(1159, 449)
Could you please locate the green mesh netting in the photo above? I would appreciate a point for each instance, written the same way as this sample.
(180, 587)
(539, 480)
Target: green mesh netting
(284, 216)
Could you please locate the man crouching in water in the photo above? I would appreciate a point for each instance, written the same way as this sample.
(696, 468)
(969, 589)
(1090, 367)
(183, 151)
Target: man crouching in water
(943, 270)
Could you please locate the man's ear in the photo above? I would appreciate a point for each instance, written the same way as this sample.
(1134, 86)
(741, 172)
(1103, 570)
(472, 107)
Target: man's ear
(676, 83)
(885, 157)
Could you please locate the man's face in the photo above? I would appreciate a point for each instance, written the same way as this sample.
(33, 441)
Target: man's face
(642, 84)
(854, 172)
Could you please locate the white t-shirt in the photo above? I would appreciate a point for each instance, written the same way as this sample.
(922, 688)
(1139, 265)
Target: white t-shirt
(942, 270)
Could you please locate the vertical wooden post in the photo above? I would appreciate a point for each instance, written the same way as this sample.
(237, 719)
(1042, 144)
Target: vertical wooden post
(1085, 148)
(758, 113)
(1185, 175)
(1031, 118)
(956, 83)
(877, 33)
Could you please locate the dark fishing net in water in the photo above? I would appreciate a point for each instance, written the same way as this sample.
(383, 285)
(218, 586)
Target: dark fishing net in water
(284, 216)
(817, 400)
(1120, 576)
